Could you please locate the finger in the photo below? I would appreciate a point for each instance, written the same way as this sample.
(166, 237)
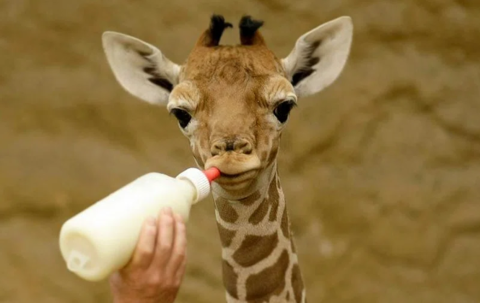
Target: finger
(164, 239)
(145, 249)
(179, 246)
(180, 271)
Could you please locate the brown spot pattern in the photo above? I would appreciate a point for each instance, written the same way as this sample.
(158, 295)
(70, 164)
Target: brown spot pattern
(254, 249)
(250, 199)
(273, 154)
(297, 283)
(229, 279)
(259, 213)
(264, 155)
(273, 211)
(270, 281)
(273, 198)
(226, 235)
(226, 211)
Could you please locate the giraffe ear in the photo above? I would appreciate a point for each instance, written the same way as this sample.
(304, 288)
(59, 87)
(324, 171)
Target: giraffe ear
(319, 56)
(140, 68)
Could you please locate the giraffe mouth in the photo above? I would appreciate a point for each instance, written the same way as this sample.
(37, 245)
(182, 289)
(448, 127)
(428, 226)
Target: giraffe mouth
(240, 176)
(237, 170)
(233, 166)
(235, 180)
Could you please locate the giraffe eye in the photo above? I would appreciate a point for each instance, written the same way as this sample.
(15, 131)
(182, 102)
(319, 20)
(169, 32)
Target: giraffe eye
(182, 116)
(283, 110)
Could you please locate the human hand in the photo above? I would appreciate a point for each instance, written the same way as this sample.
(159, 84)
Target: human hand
(156, 269)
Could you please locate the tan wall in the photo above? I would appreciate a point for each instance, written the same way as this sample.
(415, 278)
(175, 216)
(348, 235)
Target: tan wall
(381, 170)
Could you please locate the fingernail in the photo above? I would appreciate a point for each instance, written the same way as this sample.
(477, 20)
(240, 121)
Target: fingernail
(178, 218)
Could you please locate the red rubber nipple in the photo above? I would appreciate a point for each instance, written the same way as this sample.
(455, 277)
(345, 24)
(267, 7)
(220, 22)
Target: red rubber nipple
(212, 173)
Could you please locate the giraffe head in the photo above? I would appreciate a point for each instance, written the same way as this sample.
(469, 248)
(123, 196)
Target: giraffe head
(232, 102)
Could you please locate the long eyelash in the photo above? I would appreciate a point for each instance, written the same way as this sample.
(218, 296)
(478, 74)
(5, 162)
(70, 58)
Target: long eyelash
(181, 108)
(292, 102)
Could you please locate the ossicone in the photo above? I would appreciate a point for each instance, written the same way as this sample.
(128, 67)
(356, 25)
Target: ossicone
(249, 34)
(212, 36)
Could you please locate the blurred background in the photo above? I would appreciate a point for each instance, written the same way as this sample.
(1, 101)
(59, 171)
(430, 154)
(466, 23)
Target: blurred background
(381, 170)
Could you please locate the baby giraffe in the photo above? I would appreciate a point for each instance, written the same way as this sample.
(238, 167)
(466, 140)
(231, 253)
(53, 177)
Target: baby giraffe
(232, 103)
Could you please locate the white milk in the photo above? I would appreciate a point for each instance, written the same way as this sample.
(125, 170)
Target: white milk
(101, 239)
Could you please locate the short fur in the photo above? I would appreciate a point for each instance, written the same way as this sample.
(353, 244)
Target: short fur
(231, 93)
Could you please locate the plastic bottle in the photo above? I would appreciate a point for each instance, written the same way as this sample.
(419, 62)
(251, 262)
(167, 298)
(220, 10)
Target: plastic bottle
(101, 239)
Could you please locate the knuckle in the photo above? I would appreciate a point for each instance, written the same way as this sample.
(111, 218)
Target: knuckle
(154, 281)
(165, 247)
(181, 255)
(133, 277)
(164, 283)
(145, 251)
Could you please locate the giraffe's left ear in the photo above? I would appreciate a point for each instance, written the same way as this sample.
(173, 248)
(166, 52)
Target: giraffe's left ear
(141, 68)
(319, 56)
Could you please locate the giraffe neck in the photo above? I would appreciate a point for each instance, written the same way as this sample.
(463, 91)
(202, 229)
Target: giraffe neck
(259, 259)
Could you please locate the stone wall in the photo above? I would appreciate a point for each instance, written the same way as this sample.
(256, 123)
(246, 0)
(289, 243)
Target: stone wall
(381, 170)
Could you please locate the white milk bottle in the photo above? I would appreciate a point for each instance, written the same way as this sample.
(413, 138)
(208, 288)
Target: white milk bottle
(101, 239)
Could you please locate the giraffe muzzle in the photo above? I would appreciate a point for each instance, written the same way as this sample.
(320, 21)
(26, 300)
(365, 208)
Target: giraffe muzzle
(233, 165)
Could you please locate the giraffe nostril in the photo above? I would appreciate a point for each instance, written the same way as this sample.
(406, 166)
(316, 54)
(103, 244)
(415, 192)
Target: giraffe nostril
(243, 146)
(230, 146)
(217, 148)
(239, 146)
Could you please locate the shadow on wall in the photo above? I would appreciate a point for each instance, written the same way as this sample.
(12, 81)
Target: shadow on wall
(380, 170)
